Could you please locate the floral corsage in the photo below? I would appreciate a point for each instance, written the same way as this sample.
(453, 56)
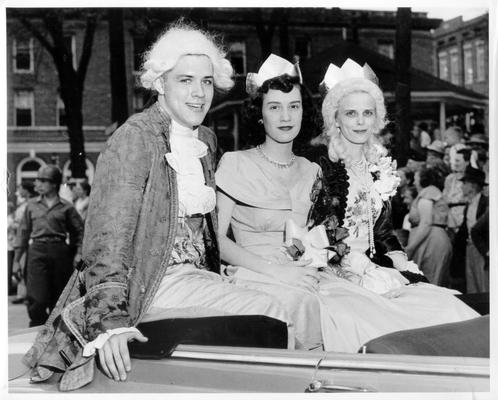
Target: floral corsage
(386, 180)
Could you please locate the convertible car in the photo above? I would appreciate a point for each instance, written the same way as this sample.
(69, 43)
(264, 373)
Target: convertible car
(443, 358)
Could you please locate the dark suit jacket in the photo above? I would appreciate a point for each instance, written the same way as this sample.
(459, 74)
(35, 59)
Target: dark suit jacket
(463, 232)
(480, 235)
(460, 243)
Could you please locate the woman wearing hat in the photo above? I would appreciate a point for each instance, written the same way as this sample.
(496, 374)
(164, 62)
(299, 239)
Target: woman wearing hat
(150, 241)
(261, 188)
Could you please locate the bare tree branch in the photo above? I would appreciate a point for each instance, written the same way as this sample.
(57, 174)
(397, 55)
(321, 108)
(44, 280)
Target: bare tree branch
(36, 33)
(54, 24)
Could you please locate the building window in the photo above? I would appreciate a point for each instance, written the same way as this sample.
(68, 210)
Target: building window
(27, 169)
(443, 65)
(302, 48)
(480, 61)
(237, 56)
(454, 66)
(23, 55)
(61, 113)
(70, 43)
(468, 70)
(386, 48)
(138, 50)
(24, 108)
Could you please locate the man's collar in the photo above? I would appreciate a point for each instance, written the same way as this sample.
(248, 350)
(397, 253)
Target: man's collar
(41, 198)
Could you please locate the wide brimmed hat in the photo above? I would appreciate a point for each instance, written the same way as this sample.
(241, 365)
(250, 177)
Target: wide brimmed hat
(437, 146)
(478, 138)
(474, 175)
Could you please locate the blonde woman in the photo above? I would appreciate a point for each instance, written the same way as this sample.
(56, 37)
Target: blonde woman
(374, 289)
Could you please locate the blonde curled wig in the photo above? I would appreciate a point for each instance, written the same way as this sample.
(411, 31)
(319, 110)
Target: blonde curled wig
(330, 106)
(180, 39)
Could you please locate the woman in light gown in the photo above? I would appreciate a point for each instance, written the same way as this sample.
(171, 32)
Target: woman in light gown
(375, 290)
(260, 189)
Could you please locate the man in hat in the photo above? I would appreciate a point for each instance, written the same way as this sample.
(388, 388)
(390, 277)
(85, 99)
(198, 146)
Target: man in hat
(478, 142)
(48, 223)
(477, 277)
(435, 156)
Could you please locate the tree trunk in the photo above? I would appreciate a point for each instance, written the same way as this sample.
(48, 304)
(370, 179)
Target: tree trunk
(402, 62)
(74, 121)
(119, 95)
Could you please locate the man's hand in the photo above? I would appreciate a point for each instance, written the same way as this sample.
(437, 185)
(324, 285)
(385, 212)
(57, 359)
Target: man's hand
(114, 356)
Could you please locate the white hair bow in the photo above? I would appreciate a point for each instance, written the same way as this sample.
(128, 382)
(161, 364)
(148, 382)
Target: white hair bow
(350, 69)
(272, 67)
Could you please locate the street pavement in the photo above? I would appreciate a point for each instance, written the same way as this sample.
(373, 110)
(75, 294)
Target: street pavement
(18, 316)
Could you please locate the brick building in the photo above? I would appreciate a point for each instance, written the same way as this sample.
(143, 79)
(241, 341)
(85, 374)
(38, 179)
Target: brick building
(36, 133)
(461, 51)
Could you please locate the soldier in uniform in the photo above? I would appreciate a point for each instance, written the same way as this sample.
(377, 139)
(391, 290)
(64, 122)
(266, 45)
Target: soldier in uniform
(51, 233)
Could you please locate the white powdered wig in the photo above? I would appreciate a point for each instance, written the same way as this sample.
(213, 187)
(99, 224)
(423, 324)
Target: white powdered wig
(179, 40)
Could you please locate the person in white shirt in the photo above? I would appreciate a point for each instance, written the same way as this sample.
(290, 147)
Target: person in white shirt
(425, 138)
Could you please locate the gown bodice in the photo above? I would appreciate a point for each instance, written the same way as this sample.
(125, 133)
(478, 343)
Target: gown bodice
(263, 203)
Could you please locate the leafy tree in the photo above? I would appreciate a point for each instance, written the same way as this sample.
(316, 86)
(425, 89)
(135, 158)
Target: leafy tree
(48, 27)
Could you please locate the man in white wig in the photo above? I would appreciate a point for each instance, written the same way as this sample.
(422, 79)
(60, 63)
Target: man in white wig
(150, 250)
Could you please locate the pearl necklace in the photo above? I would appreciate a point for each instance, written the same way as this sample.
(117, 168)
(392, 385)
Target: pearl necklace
(360, 171)
(277, 164)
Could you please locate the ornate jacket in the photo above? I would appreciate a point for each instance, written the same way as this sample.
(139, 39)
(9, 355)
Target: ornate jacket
(129, 235)
(330, 198)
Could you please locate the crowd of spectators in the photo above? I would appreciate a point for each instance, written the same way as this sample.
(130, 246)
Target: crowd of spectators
(440, 211)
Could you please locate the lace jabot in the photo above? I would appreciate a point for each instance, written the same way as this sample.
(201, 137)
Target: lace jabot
(186, 151)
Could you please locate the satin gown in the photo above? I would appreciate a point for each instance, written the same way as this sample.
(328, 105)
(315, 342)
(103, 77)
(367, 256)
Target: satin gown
(342, 315)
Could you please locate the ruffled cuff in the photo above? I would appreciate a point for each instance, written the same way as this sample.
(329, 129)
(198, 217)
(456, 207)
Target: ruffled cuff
(98, 343)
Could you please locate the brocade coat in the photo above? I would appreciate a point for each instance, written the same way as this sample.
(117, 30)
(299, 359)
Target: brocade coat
(129, 234)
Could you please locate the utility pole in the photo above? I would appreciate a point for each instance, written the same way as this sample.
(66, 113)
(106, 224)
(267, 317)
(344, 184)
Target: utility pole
(402, 62)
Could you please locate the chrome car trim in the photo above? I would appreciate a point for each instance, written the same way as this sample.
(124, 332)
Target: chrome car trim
(458, 366)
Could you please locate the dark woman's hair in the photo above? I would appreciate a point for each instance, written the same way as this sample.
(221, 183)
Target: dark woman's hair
(86, 187)
(409, 175)
(465, 153)
(253, 132)
(412, 190)
(431, 176)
